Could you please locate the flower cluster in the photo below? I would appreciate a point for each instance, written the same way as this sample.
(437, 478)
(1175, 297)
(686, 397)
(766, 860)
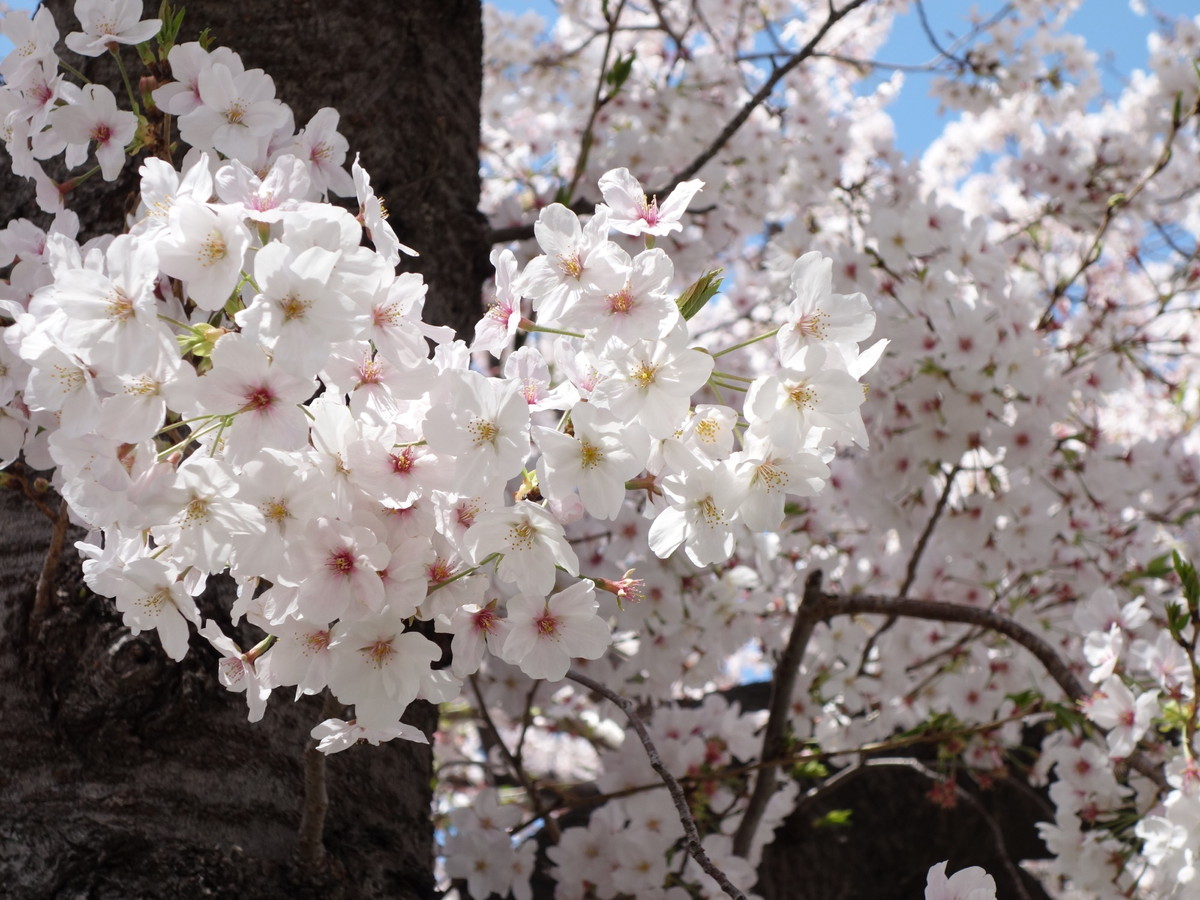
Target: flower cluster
(237, 384)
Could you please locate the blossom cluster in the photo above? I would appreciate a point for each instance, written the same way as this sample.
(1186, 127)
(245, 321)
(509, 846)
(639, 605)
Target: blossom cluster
(1033, 444)
(237, 384)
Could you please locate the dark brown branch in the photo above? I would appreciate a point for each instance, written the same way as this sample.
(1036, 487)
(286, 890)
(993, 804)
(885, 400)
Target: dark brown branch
(310, 849)
(774, 743)
(758, 99)
(694, 847)
(829, 605)
(42, 600)
(1115, 204)
(515, 766)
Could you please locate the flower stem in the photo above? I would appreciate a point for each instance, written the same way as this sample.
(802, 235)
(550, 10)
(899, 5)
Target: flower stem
(125, 78)
(753, 340)
(463, 574)
(528, 325)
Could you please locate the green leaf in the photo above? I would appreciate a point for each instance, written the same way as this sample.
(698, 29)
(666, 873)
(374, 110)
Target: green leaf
(1067, 716)
(172, 20)
(1025, 699)
(1159, 567)
(1189, 579)
(812, 769)
(1177, 619)
(619, 73)
(835, 818)
(703, 289)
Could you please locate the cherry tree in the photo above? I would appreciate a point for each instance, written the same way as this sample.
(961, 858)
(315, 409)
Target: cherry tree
(749, 395)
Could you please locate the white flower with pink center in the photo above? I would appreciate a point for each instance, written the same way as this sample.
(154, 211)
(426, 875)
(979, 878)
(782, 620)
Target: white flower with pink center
(1126, 717)
(339, 574)
(531, 542)
(237, 672)
(262, 397)
(632, 212)
(626, 299)
(475, 630)
(547, 633)
(379, 667)
(108, 22)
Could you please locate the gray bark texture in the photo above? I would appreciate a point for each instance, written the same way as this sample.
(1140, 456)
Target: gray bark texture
(123, 774)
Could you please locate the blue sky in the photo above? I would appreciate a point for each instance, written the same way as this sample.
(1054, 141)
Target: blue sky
(1110, 27)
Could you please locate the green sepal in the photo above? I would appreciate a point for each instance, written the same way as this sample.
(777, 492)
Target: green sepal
(703, 289)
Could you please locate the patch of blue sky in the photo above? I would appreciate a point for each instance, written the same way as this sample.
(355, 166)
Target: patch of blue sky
(1116, 30)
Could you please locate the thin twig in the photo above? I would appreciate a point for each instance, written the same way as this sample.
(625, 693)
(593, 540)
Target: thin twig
(774, 742)
(758, 99)
(1115, 204)
(694, 848)
(907, 762)
(515, 766)
(829, 605)
(811, 755)
(524, 232)
(42, 599)
(910, 572)
(599, 100)
(310, 849)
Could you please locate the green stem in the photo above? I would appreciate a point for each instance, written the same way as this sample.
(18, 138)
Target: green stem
(730, 376)
(125, 78)
(220, 423)
(259, 649)
(74, 71)
(753, 340)
(72, 183)
(173, 425)
(463, 574)
(529, 325)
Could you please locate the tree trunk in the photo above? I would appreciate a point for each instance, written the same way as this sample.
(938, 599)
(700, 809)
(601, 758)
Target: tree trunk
(125, 775)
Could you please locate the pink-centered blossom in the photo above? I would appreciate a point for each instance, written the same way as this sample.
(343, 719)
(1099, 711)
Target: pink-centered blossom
(545, 634)
(632, 212)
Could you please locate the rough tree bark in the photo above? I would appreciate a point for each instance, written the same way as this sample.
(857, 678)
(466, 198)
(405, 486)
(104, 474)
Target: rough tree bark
(123, 774)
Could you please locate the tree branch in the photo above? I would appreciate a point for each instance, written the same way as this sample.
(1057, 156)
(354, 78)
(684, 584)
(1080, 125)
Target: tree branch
(515, 766)
(525, 232)
(758, 99)
(829, 605)
(774, 743)
(910, 572)
(1115, 204)
(694, 847)
(42, 600)
(310, 849)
